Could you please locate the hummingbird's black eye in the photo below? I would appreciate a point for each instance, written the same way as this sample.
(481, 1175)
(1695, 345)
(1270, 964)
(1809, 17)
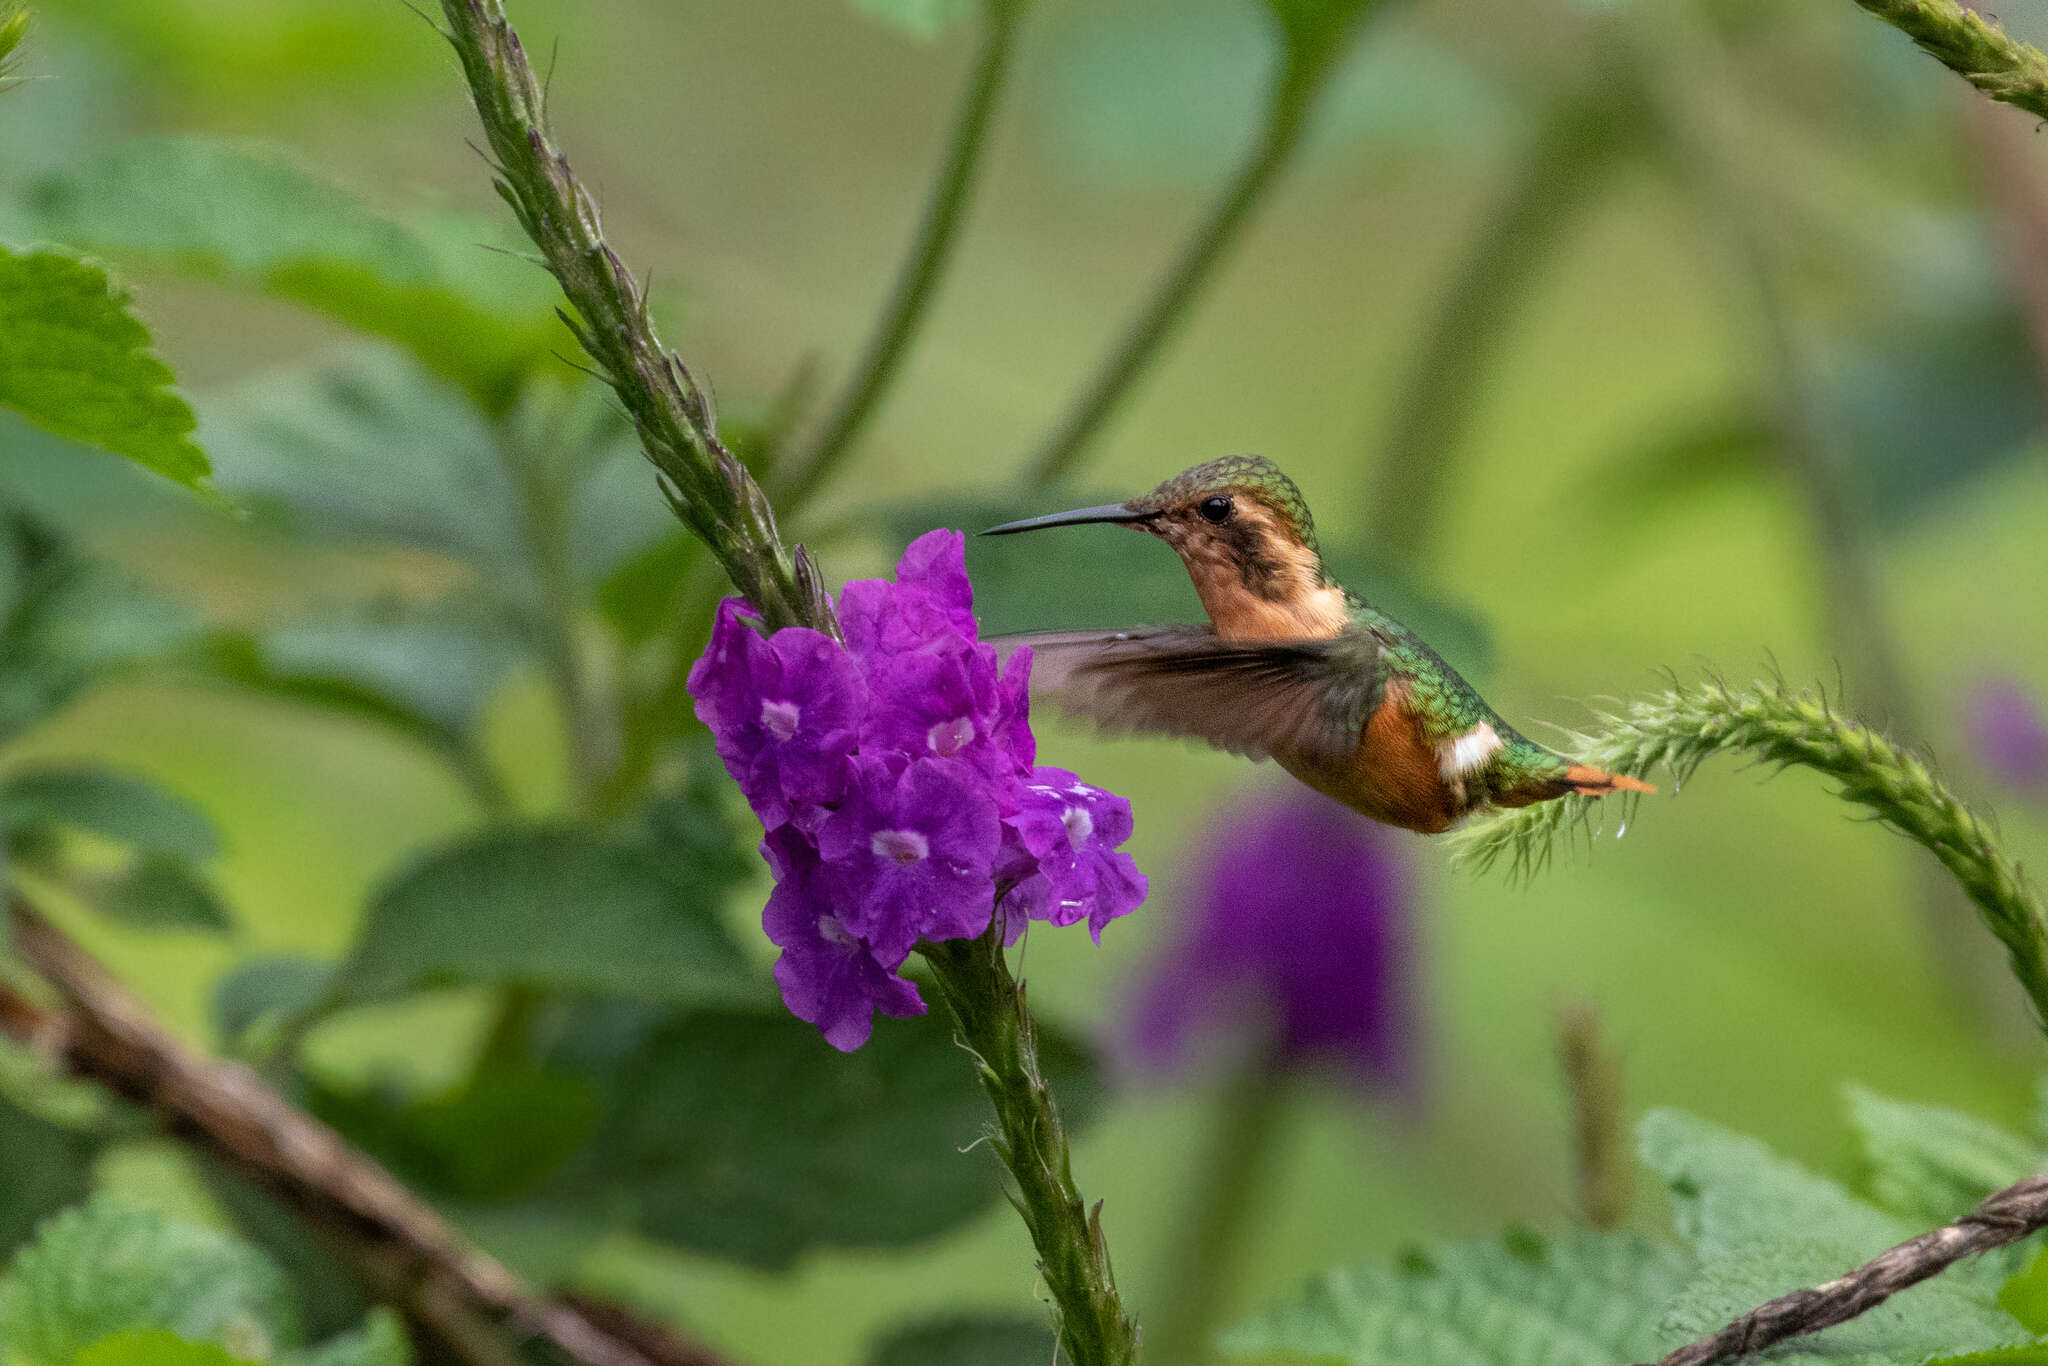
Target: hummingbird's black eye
(1216, 509)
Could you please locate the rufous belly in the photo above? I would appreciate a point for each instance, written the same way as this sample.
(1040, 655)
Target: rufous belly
(1393, 774)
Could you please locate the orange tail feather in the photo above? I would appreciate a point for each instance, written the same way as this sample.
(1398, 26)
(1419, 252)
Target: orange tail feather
(1595, 782)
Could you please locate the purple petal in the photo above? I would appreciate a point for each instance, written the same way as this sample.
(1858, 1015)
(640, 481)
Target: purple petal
(2010, 735)
(828, 977)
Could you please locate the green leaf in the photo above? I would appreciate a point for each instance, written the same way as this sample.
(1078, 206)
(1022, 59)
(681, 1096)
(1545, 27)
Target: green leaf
(1944, 383)
(71, 622)
(1581, 1300)
(75, 360)
(1931, 1164)
(372, 449)
(745, 1135)
(153, 1347)
(381, 1341)
(924, 19)
(162, 892)
(495, 1138)
(1112, 577)
(219, 210)
(2025, 1296)
(107, 1268)
(1763, 1226)
(266, 988)
(119, 806)
(639, 596)
(47, 1169)
(2026, 1355)
(968, 1342)
(325, 1288)
(560, 909)
(425, 677)
(442, 661)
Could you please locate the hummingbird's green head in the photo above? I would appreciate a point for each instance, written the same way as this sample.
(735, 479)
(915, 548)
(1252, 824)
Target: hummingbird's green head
(1244, 532)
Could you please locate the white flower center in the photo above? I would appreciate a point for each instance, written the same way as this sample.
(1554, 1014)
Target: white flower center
(1080, 825)
(833, 932)
(950, 737)
(904, 846)
(779, 719)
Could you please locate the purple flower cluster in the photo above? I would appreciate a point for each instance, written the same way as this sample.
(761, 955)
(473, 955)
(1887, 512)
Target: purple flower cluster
(895, 777)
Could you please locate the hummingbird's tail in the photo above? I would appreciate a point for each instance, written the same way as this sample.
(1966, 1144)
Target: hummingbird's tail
(1594, 782)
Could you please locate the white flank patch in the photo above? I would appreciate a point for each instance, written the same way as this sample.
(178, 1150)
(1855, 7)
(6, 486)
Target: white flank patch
(1467, 753)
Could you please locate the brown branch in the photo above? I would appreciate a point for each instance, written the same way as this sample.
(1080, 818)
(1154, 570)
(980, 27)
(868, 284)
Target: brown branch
(403, 1248)
(2005, 1217)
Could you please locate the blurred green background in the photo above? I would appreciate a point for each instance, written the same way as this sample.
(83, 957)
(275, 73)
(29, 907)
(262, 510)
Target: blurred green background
(1616, 506)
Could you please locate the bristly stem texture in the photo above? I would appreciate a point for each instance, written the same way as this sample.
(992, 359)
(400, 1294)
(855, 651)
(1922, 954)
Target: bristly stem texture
(1682, 728)
(2004, 1218)
(717, 499)
(13, 28)
(707, 485)
(988, 1006)
(918, 278)
(1974, 47)
(1310, 58)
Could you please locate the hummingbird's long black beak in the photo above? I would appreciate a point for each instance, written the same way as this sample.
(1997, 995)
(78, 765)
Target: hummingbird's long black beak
(1108, 512)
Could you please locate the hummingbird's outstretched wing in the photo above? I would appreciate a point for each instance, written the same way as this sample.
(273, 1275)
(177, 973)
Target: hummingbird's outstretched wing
(1305, 698)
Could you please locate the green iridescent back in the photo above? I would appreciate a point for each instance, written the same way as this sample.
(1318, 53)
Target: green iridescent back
(1448, 705)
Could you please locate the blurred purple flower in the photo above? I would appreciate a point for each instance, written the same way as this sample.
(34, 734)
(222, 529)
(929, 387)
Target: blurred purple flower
(1294, 951)
(894, 778)
(2010, 734)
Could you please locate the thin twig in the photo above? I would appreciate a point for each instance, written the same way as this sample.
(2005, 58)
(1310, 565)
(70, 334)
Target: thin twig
(917, 280)
(2005, 1217)
(1974, 47)
(225, 1110)
(1297, 86)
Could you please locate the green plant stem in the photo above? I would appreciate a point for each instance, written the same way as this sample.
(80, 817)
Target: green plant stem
(1974, 47)
(717, 499)
(1581, 137)
(995, 1026)
(1301, 80)
(1603, 1159)
(543, 502)
(1209, 1244)
(918, 278)
(706, 484)
(1681, 729)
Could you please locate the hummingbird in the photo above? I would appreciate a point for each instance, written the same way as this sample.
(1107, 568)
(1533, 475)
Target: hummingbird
(1292, 666)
